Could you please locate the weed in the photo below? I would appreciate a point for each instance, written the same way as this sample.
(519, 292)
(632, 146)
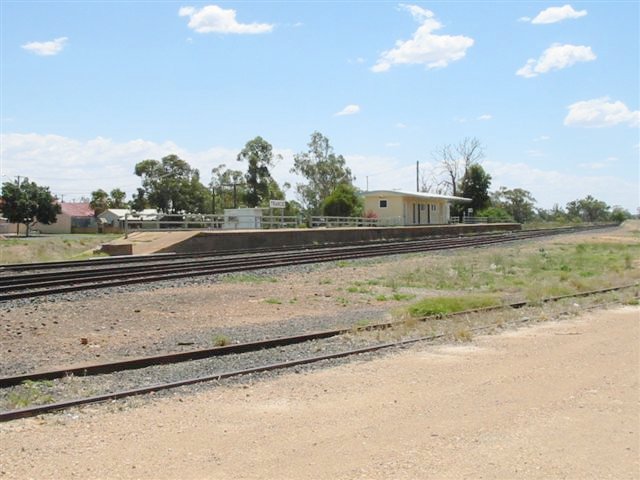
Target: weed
(445, 305)
(273, 301)
(463, 335)
(220, 340)
(29, 393)
(381, 298)
(362, 323)
(342, 301)
(399, 297)
(353, 289)
(325, 281)
(343, 263)
(248, 278)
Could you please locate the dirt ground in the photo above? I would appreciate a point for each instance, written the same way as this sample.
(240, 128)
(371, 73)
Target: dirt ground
(556, 400)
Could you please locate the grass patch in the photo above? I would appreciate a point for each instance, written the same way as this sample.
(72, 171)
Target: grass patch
(30, 393)
(51, 248)
(445, 305)
(273, 301)
(248, 278)
(400, 297)
(530, 272)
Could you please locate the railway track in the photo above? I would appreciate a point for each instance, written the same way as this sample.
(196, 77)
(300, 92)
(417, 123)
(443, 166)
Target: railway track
(250, 347)
(64, 277)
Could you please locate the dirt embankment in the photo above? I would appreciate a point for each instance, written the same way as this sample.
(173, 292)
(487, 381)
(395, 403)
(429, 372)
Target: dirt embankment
(558, 400)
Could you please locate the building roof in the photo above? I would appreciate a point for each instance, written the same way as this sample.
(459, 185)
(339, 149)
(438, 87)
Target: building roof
(76, 209)
(121, 212)
(421, 195)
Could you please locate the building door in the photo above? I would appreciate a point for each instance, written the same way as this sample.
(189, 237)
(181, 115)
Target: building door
(428, 213)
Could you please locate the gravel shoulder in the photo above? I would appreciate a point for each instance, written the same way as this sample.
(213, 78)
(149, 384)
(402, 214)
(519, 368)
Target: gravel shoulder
(554, 400)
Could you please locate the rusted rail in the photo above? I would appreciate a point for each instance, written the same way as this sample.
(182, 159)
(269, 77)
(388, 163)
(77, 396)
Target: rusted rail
(241, 348)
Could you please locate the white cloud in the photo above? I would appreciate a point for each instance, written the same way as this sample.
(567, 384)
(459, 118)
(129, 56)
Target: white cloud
(535, 153)
(556, 57)
(599, 165)
(75, 168)
(49, 48)
(424, 48)
(400, 125)
(557, 14)
(213, 19)
(348, 110)
(392, 144)
(550, 186)
(600, 112)
(524, 19)
(542, 138)
(485, 117)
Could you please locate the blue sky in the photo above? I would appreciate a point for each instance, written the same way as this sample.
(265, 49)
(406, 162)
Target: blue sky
(551, 89)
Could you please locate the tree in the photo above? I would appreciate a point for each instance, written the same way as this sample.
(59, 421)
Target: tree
(99, 201)
(619, 214)
(475, 185)
(453, 162)
(138, 201)
(227, 186)
(171, 185)
(344, 201)
(27, 202)
(323, 170)
(258, 154)
(116, 199)
(588, 209)
(516, 202)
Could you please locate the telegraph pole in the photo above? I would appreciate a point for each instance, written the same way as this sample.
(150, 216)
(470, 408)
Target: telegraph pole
(417, 175)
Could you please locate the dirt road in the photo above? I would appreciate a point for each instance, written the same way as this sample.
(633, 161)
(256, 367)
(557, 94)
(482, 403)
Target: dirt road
(558, 400)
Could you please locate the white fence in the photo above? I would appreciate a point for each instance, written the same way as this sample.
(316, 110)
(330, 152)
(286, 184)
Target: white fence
(235, 222)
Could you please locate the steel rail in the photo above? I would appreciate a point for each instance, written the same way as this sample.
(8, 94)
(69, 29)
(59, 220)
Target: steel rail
(18, 280)
(119, 260)
(86, 280)
(40, 409)
(22, 281)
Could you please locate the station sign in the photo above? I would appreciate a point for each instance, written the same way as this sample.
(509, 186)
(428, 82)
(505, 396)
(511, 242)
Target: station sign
(277, 204)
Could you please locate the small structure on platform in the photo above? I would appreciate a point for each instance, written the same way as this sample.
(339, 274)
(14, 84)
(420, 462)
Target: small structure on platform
(242, 218)
(396, 207)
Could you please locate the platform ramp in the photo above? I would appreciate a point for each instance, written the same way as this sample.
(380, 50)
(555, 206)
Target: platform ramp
(145, 243)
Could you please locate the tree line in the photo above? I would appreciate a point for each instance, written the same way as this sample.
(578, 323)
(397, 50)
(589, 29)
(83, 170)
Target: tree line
(172, 186)
(458, 171)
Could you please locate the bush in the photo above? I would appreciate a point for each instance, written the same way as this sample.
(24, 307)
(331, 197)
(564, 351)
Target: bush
(344, 201)
(494, 212)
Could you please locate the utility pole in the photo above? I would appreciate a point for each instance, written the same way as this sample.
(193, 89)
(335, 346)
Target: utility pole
(417, 175)
(367, 183)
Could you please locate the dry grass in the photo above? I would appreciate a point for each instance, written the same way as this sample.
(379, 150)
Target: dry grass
(50, 248)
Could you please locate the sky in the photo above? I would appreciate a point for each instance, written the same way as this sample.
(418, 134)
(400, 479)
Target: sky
(89, 89)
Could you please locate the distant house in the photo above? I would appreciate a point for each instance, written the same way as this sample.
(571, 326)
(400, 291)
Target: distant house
(395, 207)
(112, 220)
(73, 218)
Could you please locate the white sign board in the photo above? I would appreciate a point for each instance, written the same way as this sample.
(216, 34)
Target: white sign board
(277, 203)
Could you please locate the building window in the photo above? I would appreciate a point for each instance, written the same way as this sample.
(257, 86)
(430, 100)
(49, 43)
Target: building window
(383, 204)
(433, 208)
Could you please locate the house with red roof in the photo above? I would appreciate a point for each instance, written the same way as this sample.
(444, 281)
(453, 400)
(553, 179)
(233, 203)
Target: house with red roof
(75, 217)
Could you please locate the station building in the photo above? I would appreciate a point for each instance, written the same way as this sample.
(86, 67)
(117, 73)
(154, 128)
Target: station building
(396, 207)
